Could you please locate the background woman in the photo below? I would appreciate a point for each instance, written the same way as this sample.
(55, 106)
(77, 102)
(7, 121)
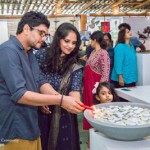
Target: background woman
(97, 69)
(59, 63)
(110, 49)
(124, 73)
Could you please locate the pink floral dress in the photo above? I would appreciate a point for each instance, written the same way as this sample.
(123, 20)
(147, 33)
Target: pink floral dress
(97, 69)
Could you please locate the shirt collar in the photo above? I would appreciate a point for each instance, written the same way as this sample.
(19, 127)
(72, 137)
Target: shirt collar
(17, 42)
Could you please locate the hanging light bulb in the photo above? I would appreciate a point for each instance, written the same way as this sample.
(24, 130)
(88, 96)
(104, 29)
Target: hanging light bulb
(115, 9)
(58, 9)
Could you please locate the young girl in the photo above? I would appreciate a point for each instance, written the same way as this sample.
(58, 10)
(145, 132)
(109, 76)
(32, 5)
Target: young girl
(104, 92)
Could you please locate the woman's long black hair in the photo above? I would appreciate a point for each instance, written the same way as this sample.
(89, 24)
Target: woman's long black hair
(121, 36)
(54, 63)
(99, 37)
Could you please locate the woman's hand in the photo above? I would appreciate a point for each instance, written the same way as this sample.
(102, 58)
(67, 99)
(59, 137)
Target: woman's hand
(121, 81)
(72, 104)
(45, 109)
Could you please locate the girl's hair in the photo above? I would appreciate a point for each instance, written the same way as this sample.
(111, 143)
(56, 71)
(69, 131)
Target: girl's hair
(108, 86)
(53, 63)
(121, 36)
(98, 36)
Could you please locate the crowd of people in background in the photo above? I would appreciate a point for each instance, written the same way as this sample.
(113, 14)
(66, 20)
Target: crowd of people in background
(43, 90)
(118, 66)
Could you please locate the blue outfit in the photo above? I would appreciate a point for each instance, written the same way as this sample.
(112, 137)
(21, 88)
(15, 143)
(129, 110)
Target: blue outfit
(111, 55)
(68, 136)
(89, 49)
(125, 63)
(18, 74)
(135, 42)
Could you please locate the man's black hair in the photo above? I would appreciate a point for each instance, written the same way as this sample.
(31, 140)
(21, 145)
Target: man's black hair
(124, 25)
(33, 19)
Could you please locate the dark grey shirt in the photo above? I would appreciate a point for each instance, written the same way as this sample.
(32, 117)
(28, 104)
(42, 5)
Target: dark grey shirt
(18, 74)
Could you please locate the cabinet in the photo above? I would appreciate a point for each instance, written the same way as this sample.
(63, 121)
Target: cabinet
(143, 66)
(98, 141)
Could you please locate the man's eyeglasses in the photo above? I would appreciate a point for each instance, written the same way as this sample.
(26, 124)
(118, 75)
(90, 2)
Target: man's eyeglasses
(41, 32)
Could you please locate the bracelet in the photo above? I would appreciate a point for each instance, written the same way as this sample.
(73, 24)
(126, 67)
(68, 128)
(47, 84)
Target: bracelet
(61, 100)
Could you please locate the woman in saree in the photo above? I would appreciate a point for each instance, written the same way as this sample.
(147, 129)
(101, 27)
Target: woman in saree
(59, 63)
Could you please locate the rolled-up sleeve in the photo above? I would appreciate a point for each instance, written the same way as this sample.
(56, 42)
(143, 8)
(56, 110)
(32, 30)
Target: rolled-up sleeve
(42, 79)
(134, 40)
(11, 73)
(40, 57)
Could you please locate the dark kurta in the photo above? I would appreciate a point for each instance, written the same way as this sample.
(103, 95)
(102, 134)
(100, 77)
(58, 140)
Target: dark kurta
(68, 136)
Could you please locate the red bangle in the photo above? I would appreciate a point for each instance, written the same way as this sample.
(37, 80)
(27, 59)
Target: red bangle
(61, 100)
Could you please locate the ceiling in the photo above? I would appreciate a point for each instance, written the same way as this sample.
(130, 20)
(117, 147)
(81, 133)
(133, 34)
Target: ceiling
(16, 8)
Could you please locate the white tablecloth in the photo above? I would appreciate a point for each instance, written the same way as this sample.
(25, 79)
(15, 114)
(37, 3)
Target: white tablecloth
(139, 94)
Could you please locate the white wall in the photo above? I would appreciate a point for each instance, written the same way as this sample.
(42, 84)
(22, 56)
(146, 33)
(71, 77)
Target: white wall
(114, 23)
(61, 20)
(3, 31)
(138, 24)
(12, 26)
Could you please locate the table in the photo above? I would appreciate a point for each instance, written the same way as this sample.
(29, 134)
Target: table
(99, 141)
(139, 94)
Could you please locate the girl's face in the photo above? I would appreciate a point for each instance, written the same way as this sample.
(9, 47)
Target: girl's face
(68, 44)
(128, 34)
(104, 95)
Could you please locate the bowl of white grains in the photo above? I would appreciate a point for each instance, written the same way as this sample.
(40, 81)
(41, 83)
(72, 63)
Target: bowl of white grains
(121, 120)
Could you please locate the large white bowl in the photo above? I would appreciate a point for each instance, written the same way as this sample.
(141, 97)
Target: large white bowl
(119, 132)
